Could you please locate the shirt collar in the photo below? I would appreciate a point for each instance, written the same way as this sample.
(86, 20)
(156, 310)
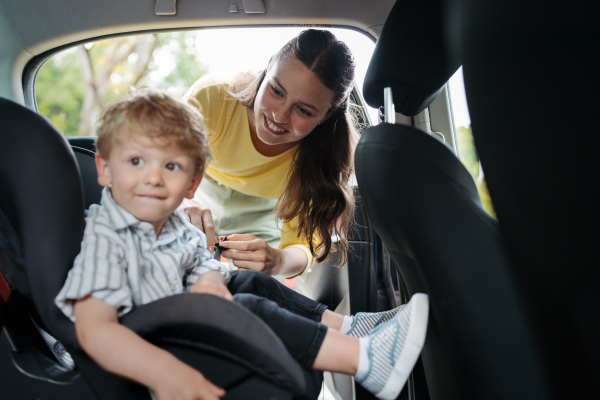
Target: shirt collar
(122, 219)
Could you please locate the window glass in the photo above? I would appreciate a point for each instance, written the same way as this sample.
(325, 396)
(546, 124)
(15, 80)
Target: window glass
(464, 137)
(74, 85)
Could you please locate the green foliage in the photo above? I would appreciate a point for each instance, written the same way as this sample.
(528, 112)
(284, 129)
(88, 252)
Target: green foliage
(186, 68)
(470, 159)
(62, 91)
(59, 89)
(468, 154)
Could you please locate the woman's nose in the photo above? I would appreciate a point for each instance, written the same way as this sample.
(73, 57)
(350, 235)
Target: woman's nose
(281, 114)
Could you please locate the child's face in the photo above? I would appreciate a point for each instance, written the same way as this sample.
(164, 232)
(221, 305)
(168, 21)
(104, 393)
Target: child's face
(149, 178)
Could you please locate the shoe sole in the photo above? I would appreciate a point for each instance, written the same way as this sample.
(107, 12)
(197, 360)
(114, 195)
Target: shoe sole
(413, 344)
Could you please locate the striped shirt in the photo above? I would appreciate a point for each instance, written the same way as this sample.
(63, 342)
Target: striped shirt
(124, 264)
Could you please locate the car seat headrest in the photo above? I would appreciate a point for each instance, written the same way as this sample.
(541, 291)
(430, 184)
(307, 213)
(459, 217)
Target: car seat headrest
(42, 202)
(411, 57)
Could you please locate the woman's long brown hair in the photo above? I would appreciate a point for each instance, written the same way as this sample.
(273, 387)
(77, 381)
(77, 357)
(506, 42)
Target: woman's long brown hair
(318, 189)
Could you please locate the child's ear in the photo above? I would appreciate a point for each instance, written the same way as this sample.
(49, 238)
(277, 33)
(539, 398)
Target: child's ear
(103, 171)
(189, 194)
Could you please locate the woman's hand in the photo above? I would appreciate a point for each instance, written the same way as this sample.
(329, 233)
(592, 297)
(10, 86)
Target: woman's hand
(202, 218)
(249, 252)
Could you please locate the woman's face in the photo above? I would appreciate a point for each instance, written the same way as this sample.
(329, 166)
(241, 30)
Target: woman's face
(290, 103)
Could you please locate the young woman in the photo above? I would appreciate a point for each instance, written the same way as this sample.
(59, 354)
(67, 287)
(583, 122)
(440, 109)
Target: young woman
(281, 140)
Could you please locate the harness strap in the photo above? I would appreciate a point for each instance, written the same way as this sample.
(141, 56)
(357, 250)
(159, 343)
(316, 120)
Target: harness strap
(4, 292)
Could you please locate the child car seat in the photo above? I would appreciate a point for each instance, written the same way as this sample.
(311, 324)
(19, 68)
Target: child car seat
(42, 222)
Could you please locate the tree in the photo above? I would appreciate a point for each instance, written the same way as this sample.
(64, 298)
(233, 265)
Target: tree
(470, 159)
(72, 87)
(128, 57)
(59, 91)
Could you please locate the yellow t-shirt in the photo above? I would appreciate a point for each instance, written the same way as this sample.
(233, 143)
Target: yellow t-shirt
(236, 163)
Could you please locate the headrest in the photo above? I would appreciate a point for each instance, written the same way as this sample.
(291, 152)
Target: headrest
(411, 57)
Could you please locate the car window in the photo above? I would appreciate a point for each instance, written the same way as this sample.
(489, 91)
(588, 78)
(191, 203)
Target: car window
(74, 85)
(464, 138)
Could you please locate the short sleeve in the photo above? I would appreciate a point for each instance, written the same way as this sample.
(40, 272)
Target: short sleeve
(99, 270)
(289, 238)
(204, 263)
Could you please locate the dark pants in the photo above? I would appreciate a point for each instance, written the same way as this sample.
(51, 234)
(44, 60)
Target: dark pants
(293, 317)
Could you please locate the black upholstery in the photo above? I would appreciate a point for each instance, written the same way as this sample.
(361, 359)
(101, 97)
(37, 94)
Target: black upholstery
(424, 205)
(443, 243)
(42, 209)
(410, 57)
(532, 85)
(92, 191)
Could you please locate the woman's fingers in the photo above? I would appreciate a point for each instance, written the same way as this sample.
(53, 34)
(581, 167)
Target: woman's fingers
(249, 252)
(201, 217)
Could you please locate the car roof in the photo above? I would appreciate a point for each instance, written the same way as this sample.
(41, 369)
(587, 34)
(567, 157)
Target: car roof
(29, 28)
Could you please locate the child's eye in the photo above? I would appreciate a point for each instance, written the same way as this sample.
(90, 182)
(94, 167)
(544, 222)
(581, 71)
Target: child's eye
(135, 161)
(173, 167)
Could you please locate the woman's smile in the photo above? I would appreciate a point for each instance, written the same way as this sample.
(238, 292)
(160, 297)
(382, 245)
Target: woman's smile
(273, 127)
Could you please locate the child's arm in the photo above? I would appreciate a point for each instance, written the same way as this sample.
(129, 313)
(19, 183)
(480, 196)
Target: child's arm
(120, 350)
(212, 282)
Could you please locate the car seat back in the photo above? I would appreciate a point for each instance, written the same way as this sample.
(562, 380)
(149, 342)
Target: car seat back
(532, 86)
(425, 206)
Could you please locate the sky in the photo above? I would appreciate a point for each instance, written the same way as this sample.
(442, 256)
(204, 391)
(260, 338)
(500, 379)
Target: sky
(246, 49)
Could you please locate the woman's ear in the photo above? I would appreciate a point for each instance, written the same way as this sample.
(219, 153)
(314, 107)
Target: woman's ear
(189, 194)
(103, 171)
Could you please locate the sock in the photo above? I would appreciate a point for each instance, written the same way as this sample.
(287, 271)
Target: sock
(346, 324)
(363, 357)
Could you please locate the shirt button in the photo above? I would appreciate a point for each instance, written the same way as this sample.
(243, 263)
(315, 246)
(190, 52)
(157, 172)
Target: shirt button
(173, 287)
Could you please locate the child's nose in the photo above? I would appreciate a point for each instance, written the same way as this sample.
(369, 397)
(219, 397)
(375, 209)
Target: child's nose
(153, 177)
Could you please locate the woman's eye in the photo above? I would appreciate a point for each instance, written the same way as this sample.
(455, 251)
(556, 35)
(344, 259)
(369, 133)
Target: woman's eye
(276, 91)
(304, 111)
(136, 161)
(173, 167)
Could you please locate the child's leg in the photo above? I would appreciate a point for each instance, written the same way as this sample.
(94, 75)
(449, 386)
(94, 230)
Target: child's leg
(263, 285)
(338, 353)
(312, 344)
(381, 361)
(301, 336)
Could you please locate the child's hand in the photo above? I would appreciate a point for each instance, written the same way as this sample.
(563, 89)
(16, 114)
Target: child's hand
(217, 290)
(212, 283)
(185, 383)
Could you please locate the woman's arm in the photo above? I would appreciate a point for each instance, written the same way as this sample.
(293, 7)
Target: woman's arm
(120, 350)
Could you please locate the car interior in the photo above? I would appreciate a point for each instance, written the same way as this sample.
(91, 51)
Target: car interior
(514, 303)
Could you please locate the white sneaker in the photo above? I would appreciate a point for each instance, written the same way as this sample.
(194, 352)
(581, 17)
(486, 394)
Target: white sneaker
(363, 323)
(393, 348)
